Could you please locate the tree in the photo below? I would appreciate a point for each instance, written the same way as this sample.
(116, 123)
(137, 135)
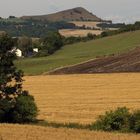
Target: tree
(52, 42)
(11, 84)
(25, 44)
(91, 36)
(104, 34)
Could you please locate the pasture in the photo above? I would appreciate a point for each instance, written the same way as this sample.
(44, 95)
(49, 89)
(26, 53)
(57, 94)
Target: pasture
(81, 98)
(80, 52)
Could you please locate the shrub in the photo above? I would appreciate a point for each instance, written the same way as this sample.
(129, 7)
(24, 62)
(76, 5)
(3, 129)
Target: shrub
(135, 122)
(117, 120)
(5, 108)
(25, 110)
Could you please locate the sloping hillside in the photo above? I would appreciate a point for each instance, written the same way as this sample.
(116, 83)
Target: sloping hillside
(127, 62)
(80, 52)
(74, 14)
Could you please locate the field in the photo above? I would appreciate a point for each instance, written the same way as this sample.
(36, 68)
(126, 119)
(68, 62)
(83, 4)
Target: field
(25, 132)
(90, 24)
(76, 53)
(81, 98)
(78, 32)
(125, 62)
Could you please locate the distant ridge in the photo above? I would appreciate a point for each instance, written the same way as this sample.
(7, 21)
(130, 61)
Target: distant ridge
(75, 14)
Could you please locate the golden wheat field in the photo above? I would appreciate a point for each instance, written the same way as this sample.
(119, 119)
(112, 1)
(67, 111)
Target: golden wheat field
(81, 98)
(27, 132)
(78, 32)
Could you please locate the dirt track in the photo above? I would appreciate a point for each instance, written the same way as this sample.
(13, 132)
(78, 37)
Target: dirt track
(128, 62)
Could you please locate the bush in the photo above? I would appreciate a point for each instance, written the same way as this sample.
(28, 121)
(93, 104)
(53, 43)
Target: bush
(117, 120)
(135, 122)
(5, 108)
(23, 110)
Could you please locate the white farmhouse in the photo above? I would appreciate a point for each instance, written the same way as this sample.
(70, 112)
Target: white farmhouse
(18, 53)
(35, 50)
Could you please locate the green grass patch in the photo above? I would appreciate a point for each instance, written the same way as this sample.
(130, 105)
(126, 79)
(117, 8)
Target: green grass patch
(80, 52)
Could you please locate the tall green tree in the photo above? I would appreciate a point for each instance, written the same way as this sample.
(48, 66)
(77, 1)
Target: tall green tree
(11, 86)
(52, 42)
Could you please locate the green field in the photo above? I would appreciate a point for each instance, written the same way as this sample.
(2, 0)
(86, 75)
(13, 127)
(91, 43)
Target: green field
(76, 53)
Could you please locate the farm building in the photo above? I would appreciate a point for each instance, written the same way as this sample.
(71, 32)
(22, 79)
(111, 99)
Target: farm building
(18, 53)
(35, 50)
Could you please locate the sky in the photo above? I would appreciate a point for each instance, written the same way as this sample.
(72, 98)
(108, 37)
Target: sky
(117, 10)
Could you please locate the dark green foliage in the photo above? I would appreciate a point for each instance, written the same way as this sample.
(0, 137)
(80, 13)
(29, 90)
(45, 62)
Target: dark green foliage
(111, 25)
(5, 108)
(104, 34)
(32, 28)
(135, 122)
(52, 42)
(124, 28)
(117, 120)
(25, 44)
(91, 36)
(25, 109)
(12, 97)
(61, 25)
(72, 39)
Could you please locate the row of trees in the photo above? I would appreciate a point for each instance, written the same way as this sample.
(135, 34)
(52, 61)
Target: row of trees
(125, 28)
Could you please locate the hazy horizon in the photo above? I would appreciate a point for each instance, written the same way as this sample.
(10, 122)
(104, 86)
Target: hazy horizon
(118, 11)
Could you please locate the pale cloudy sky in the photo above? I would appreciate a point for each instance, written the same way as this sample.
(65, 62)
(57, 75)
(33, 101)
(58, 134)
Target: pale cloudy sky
(117, 10)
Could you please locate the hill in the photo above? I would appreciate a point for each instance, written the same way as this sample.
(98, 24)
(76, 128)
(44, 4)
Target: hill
(127, 62)
(75, 14)
(80, 52)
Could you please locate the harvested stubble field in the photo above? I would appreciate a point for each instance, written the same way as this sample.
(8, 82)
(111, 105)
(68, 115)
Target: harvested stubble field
(26, 132)
(81, 98)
